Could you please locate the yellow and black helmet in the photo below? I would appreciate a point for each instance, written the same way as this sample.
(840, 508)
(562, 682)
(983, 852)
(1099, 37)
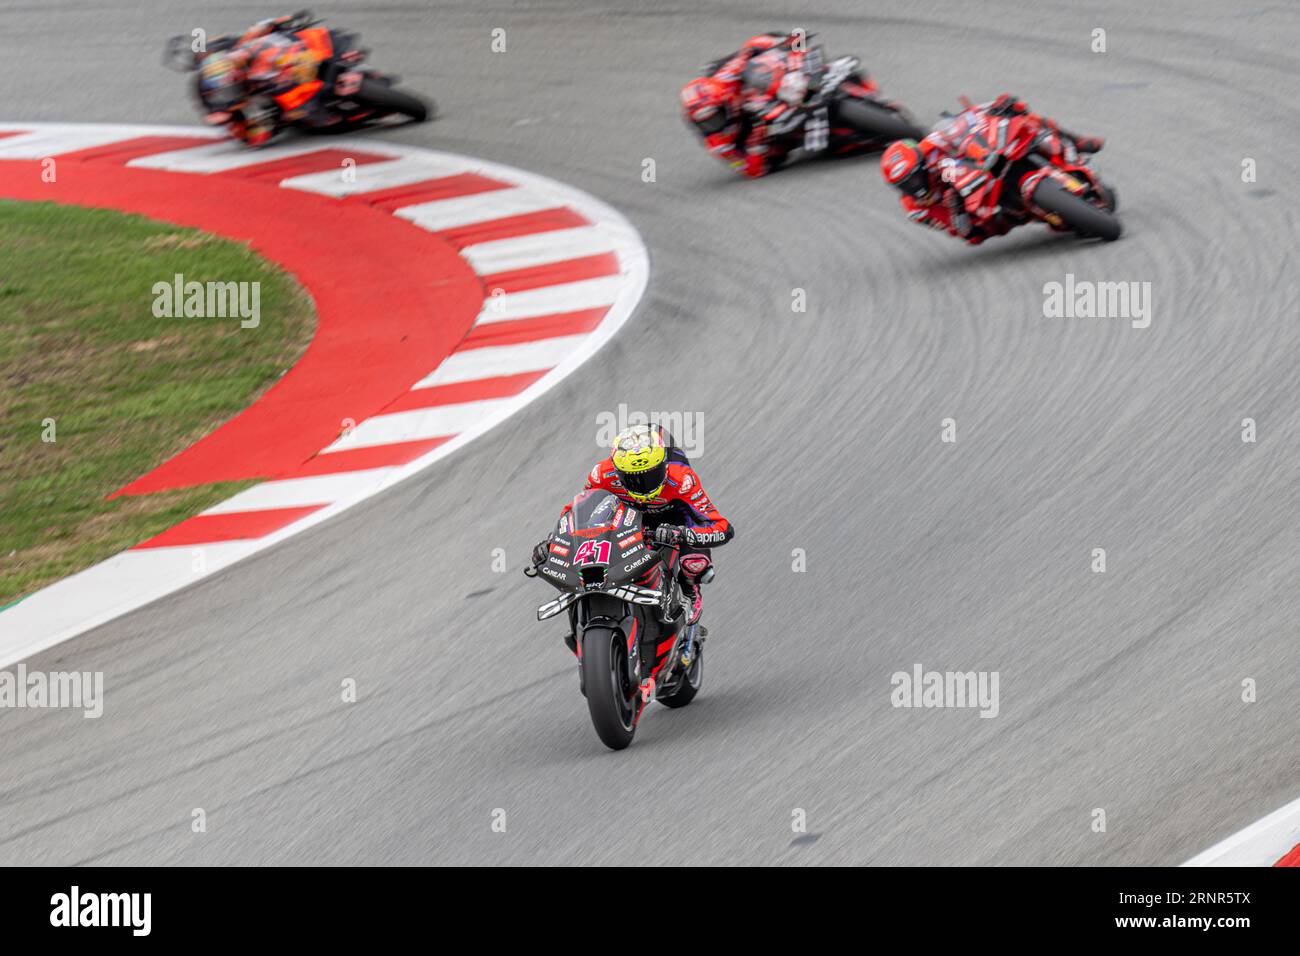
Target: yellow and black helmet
(640, 457)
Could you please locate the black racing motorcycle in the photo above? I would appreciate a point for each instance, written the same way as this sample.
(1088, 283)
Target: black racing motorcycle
(844, 110)
(627, 612)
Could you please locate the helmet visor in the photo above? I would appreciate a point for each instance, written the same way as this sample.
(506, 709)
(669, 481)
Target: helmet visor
(710, 121)
(916, 184)
(643, 484)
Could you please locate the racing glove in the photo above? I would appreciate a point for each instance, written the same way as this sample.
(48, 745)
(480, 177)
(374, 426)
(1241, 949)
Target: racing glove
(670, 534)
(540, 550)
(961, 224)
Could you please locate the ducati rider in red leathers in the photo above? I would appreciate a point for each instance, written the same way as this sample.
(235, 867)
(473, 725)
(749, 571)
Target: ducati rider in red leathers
(734, 106)
(646, 471)
(933, 177)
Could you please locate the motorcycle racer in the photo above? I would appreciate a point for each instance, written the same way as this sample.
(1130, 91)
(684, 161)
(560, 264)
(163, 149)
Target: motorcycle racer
(736, 105)
(935, 174)
(288, 65)
(733, 106)
(282, 65)
(646, 471)
(776, 96)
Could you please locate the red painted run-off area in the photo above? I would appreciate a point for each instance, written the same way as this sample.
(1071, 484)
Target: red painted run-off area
(391, 299)
(1291, 859)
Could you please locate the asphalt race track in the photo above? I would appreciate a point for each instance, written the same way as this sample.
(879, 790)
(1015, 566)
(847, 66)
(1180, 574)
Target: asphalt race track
(819, 431)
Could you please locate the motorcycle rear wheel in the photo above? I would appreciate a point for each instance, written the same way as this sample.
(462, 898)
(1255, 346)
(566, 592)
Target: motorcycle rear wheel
(612, 699)
(690, 685)
(875, 121)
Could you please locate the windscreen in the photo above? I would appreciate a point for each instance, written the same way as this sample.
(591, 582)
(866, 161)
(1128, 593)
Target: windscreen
(595, 509)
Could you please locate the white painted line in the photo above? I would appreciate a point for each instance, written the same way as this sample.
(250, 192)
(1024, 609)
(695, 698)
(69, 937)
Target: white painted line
(107, 590)
(523, 252)
(1262, 843)
(494, 360)
(437, 421)
(221, 157)
(551, 300)
(370, 177)
(481, 207)
(300, 492)
(42, 143)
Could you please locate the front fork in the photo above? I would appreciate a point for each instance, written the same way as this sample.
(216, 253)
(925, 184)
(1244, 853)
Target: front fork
(611, 612)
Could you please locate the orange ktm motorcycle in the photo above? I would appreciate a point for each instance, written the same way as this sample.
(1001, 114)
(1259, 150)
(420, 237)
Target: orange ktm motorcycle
(329, 86)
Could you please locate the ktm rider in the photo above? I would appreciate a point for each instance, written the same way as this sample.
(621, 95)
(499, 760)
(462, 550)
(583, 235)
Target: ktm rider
(279, 66)
(740, 105)
(648, 472)
(934, 177)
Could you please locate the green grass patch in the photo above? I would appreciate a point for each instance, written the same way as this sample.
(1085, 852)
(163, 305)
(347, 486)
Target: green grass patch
(126, 390)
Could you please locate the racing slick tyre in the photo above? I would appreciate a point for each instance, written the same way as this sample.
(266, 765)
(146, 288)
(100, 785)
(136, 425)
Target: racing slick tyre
(690, 685)
(612, 698)
(876, 121)
(382, 98)
(1079, 215)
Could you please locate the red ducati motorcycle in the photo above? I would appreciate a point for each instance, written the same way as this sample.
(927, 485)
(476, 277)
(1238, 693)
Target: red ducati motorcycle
(1022, 169)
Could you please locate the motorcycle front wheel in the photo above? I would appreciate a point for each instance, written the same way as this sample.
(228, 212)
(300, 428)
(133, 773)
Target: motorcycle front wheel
(612, 698)
(382, 98)
(1079, 215)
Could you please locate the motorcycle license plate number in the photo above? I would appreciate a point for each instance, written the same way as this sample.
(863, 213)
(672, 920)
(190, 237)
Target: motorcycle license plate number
(592, 552)
(348, 84)
(817, 132)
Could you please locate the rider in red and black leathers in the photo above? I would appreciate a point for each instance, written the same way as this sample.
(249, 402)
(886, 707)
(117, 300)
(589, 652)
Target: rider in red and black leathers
(681, 513)
(736, 104)
(933, 176)
(683, 502)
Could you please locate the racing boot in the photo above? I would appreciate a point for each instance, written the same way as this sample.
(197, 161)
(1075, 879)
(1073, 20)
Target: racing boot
(696, 569)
